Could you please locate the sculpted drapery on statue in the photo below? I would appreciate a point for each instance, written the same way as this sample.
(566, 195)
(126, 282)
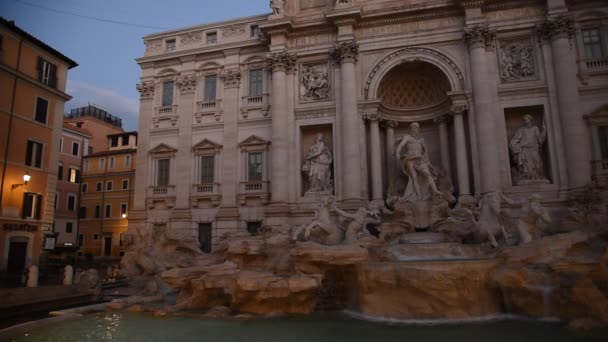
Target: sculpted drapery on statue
(526, 150)
(317, 167)
(413, 159)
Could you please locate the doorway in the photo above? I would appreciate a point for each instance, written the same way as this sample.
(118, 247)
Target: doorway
(15, 267)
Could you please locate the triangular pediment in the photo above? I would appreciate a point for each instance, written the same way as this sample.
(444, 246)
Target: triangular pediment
(206, 144)
(254, 140)
(163, 148)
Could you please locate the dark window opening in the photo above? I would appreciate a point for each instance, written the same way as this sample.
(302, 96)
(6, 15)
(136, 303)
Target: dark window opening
(254, 227)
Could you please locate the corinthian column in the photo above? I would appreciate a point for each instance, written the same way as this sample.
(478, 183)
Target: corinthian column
(479, 38)
(375, 157)
(345, 54)
(462, 163)
(279, 63)
(444, 143)
(575, 132)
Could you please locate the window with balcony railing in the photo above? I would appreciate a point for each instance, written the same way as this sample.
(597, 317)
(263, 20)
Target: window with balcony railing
(167, 94)
(207, 164)
(162, 172)
(254, 167)
(592, 42)
(210, 89)
(256, 83)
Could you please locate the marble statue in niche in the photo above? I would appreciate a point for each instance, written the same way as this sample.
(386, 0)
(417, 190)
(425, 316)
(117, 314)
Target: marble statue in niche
(517, 61)
(526, 154)
(414, 163)
(317, 167)
(277, 6)
(314, 83)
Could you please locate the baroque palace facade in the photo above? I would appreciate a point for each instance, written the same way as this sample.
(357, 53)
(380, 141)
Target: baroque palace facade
(256, 119)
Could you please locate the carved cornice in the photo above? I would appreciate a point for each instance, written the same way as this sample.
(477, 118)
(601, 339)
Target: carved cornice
(345, 52)
(281, 61)
(186, 84)
(423, 15)
(372, 117)
(472, 3)
(231, 78)
(526, 92)
(479, 36)
(560, 27)
(146, 90)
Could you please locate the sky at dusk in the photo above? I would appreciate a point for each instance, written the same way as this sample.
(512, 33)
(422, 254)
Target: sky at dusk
(106, 51)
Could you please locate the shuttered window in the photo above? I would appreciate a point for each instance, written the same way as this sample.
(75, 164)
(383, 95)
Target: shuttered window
(210, 88)
(33, 154)
(162, 172)
(255, 82)
(167, 93)
(42, 107)
(254, 167)
(47, 72)
(207, 166)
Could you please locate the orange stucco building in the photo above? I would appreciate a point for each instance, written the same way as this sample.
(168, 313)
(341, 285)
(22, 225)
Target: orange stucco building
(33, 79)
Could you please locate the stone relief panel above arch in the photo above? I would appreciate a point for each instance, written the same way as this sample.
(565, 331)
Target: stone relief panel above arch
(314, 81)
(439, 59)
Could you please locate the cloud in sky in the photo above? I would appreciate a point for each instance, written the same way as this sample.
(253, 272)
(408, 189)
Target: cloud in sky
(110, 100)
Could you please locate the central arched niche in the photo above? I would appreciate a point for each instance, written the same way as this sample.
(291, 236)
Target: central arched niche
(414, 86)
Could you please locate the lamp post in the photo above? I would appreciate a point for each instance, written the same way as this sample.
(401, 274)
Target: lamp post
(26, 179)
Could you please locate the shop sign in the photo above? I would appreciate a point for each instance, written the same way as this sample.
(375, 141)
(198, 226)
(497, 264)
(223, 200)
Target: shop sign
(24, 227)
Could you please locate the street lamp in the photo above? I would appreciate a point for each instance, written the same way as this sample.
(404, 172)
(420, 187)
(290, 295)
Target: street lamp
(124, 215)
(26, 178)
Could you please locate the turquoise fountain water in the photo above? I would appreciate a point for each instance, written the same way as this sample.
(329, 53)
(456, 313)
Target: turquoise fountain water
(117, 326)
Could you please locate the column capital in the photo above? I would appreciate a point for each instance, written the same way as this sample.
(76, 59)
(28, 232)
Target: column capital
(559, 27)
(186, 84)
(479, 36)
(372, 117)
(458, 109)
(442, 119)
(390, 124)
(345, 52)
(231, 78)
(146, 90)
(281, 61)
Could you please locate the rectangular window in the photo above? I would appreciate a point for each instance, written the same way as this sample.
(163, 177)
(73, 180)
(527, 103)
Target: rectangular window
(95, 237)
(86, 165)
(254, 31)
(75, 149)
(32, 205)
(80, 239)
(162, 172)
(97, 211)
(593, 43)
(68, 227)
(603, 135)
(114, 141)
(102, 163)
(210, 88)
(56, 200)
(125, 184)
(82, 212)
(170, 45)
(85, 187)
(47, 72)
(167, 93)
(33, 154)
(207, 169)
(123, 209)
(127, 161)
(254, 227)
(211, 37)
(74, 175)
(254, 167)
(61, 145)
(255, 82)
(109, 185)
(59, 171)
(125, 140)
(204, 236)
(108, 212)
(42, 107)
(112, 162)
(98, 187)
(71, 202)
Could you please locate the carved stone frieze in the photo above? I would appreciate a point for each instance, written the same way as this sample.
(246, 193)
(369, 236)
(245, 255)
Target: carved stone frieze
(281, 61)
(345, 52)
(153, 45)
(146, 90)
(516, 60)
(559, 27)
(314, 82)
(458, 109)
(233, 30)
(479, 36)
(231, 78)
(186, 84)
(190, 38)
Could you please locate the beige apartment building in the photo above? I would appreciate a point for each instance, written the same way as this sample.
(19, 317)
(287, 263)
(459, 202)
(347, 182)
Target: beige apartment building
(73, 146)
(106, 197)
(33, 78)
(256, 120)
